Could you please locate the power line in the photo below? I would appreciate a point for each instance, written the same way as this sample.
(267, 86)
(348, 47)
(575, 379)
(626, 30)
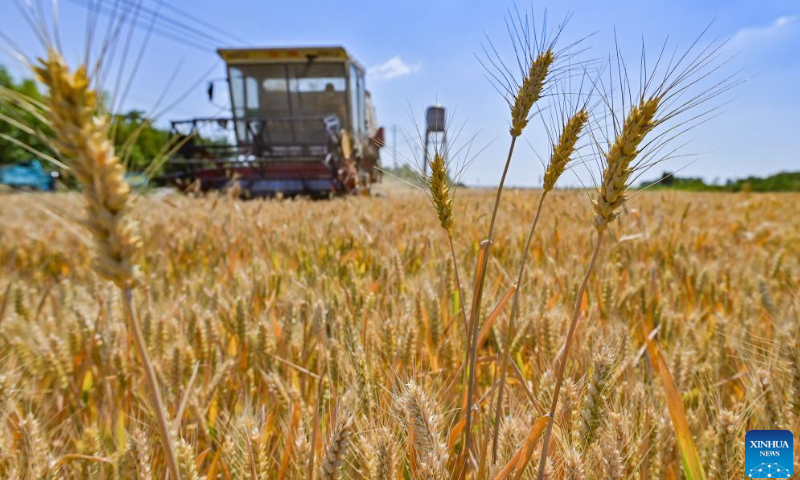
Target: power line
(198, 36)
(157, 17)
(138, 23)
(202, 22)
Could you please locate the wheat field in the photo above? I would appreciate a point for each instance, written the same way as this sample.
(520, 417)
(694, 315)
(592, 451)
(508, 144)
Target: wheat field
(301, 339)
(598, 333)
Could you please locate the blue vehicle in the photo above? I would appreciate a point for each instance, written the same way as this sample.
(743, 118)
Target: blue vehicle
(28, 175)
(137, 180)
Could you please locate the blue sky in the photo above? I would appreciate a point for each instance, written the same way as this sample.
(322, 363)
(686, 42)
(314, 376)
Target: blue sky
(420, 52)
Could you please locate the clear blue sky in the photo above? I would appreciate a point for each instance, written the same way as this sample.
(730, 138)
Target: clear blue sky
(423, 51)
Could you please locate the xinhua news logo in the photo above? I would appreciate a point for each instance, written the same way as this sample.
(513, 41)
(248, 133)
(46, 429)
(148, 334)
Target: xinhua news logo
(769, 454)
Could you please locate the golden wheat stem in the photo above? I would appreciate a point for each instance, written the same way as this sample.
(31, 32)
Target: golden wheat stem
(511, 327)
(315, 430)
(500, 188)
(477, 296)
(529, 93)
(562, 152)
(565, 355)
(152, 384)
(81, 134)
(458, 284)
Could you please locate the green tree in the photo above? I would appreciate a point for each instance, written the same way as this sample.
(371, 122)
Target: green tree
(137, 140)
(11, 112)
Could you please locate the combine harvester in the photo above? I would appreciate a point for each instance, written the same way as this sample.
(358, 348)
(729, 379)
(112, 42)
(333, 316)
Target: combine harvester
(302, 123)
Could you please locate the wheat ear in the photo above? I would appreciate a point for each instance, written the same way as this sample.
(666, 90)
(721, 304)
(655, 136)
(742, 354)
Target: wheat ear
(530, 91)
(595, 399)
(428, 447)
(563, 150)
(442, 200)
(725, 452)
(613, 463)
(383, 462)
(81, 135)
(613, 191)
(573, 465)
(186, 455)
(439, 192)
(331, 468)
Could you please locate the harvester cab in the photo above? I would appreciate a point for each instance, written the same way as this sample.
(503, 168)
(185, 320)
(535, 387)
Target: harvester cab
(302, 122)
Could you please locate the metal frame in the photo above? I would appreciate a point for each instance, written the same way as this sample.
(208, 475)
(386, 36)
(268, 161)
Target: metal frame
(328, 125)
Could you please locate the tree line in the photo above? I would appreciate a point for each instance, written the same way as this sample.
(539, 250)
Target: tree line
(143, 142)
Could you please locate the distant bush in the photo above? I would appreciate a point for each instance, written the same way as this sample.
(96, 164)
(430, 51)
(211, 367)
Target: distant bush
(10, 135)
(145, 141)
(780, 182)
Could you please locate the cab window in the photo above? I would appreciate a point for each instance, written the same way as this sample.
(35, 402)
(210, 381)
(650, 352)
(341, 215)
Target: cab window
(318, 88)
(357, 99)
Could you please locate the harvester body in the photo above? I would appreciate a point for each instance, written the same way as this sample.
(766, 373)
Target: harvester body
(301, 123)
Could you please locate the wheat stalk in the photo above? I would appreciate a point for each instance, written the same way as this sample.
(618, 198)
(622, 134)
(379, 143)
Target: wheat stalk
(562, 154)
(442, 200)
(528, 93)
(609, 200)
(81, 136)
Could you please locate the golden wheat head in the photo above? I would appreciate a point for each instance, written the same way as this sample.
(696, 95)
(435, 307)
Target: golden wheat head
(612, 193)
(439, 192)
(563, 150)
(331, 467)
(81, 137)
(530, 91)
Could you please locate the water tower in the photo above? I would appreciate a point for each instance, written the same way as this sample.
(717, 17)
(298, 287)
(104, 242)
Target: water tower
(435, 123)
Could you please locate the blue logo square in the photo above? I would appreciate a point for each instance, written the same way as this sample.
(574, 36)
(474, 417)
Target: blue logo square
(769, 454)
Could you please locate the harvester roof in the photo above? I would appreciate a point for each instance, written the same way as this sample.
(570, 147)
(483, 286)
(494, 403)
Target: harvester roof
(238, 56)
